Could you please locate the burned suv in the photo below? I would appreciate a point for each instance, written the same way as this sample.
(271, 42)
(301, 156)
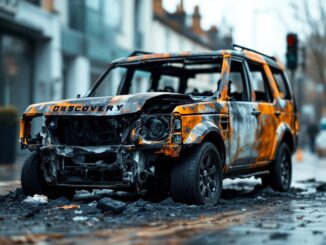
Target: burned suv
(166, 123)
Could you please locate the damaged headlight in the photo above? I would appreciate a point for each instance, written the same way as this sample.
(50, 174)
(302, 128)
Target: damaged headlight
(155, 128)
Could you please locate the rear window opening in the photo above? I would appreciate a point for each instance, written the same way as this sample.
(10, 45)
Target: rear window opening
(260, 83)
(281, 83)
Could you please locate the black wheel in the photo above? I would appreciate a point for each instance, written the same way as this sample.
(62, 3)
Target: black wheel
(31, 176)
(197, 178)
(280, 171)
(32, 180)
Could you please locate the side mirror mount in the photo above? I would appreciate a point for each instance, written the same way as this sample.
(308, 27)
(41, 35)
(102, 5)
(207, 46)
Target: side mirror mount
(78, 96)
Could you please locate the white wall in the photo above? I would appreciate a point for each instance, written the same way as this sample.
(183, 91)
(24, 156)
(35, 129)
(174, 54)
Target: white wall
(147, 22)
(62, 7)
(165, 39)
(125, 37)
(78, 77)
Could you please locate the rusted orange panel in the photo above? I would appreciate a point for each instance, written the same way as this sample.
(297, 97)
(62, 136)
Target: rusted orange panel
(21, 130)
(254, 56)
(268, 126)
(170, 150)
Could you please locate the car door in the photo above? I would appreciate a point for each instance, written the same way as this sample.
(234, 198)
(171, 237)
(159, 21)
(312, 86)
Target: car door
(265, 112)
(243, 124)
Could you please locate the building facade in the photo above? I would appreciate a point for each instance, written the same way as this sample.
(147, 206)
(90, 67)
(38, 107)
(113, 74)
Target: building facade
(54, 49)
(30, 54)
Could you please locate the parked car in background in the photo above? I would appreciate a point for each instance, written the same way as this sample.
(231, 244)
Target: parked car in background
(321, 139)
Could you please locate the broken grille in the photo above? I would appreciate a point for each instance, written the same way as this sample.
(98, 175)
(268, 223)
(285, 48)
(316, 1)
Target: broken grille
(86, 130)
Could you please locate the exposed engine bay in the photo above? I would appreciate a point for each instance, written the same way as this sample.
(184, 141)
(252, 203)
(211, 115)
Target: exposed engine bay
(117, 151)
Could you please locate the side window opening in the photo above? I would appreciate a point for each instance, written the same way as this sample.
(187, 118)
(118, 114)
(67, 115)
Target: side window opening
(281, 83)
(260, 83)
(237, 89)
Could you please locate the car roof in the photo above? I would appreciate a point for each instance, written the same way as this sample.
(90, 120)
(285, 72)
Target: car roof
(246, 54)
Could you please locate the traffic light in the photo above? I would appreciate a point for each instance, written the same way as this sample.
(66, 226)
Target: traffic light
(292, 51)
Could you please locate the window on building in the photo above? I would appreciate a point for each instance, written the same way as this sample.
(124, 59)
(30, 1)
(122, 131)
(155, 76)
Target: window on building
(113, 13)
(35, 2)
(260, 83)
(93, 4)
(167, 39)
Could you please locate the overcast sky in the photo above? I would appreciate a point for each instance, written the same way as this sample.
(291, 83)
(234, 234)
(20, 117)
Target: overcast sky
(257, 24)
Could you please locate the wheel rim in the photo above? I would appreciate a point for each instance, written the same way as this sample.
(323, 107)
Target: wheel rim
(208, 178)
(285, 167)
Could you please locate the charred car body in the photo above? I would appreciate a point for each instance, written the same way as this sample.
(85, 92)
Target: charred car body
(200, 118)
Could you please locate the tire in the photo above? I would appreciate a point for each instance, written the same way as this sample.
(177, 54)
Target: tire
(31, 177)
(32, 180)
(191, 182)
(280, 175)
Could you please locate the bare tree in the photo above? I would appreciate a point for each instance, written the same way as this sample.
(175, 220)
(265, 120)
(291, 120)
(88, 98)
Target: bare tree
(311, 14)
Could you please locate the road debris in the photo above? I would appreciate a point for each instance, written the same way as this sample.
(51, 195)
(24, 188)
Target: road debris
(80, 218)
(107, 204)
(321, 188)
(268, 225)
(256, 210)
(30, 238)
(278, 236)
(36, 199)
(71, 206)
(87, 196)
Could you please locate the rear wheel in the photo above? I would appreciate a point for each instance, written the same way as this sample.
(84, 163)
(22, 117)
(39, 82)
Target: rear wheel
(280, 171)
(197, 178)
(33, 182)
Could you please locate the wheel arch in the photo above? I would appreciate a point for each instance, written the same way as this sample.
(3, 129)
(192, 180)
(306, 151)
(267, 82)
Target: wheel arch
(216, 138)
(283, 135)
(207, 131)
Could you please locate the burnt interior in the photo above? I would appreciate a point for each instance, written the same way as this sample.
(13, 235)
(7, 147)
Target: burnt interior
(165, 104)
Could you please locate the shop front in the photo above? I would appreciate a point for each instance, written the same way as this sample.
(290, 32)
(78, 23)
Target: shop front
(29, 63)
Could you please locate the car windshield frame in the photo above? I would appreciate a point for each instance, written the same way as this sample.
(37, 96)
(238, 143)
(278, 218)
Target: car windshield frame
(196, 59)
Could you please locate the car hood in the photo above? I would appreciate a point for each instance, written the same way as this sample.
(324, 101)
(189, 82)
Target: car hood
(109, 105)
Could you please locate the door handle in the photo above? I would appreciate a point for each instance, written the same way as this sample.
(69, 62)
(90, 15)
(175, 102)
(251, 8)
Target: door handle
(255, 113)
(277, 113)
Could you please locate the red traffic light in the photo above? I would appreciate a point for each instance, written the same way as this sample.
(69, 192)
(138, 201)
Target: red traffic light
(292, 42)
(291, 39)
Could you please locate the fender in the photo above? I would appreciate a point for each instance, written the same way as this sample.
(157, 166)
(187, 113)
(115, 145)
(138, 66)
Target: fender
(280, 132)
(199, 132)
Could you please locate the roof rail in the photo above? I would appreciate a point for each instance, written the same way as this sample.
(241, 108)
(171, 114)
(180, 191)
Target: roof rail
(251, 50)
(139, 52)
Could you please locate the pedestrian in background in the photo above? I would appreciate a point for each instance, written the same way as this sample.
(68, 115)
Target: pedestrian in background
(312, 132)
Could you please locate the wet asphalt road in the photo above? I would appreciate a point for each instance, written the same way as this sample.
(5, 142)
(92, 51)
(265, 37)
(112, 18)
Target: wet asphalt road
(247, 213)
